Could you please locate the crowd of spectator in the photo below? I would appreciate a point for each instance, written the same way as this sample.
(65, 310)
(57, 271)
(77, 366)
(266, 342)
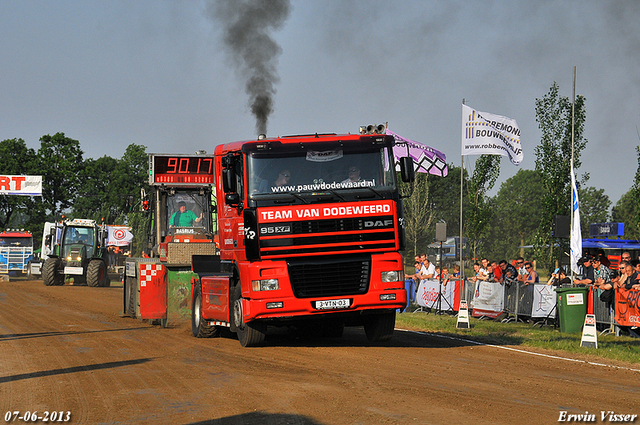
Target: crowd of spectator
(595, 271)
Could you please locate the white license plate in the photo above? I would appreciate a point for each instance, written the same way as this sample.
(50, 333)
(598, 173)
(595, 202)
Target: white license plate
(333, 304)
(73, 270)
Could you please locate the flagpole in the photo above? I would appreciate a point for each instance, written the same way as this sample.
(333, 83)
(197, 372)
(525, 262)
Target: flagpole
(573, 105)
(461, 243)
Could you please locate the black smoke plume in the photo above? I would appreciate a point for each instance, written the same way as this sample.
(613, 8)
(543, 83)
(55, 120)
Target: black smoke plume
(247, 27)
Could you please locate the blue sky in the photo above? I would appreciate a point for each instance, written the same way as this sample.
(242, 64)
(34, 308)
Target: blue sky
(155, 73)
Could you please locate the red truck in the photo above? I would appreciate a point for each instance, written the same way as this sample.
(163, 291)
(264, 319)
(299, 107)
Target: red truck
(310, 229)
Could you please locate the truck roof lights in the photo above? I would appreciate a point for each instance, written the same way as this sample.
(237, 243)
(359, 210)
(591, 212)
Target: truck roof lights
(373, 129)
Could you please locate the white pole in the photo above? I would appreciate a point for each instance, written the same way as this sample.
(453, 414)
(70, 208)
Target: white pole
(573, 106)
(461, 239)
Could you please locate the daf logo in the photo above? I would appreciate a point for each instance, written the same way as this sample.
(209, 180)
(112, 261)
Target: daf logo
(378, 223)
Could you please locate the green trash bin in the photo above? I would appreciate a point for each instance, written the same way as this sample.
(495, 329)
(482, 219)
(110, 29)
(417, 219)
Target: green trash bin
(572, 308)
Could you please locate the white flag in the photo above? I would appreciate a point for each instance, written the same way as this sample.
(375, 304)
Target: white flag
(119, 236)
(485, 133)
(576, 233)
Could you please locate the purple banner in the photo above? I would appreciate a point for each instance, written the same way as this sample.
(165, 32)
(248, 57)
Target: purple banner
(425, 158)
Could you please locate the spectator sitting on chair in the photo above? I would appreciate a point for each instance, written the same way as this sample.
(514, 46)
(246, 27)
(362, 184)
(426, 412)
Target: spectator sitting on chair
(427, 271)
(445, 276)
(497, 271)
(532, 276)
(632, 278)
(520, 265)
(509, 272)
(476, 269)
(586, 273)
(491, 277)
(601, 273)
(559, 279)
(456, 270)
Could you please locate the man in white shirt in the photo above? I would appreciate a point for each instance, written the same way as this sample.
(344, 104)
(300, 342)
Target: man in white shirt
(427, 271)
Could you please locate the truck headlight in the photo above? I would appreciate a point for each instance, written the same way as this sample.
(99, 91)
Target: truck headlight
(265, 285)
(393, 276)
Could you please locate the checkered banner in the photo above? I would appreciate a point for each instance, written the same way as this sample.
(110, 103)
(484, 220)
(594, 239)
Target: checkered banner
(148, 271)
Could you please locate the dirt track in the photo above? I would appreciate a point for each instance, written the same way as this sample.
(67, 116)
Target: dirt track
(67, 349)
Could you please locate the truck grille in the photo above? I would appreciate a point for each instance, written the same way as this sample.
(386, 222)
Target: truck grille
(330, 276)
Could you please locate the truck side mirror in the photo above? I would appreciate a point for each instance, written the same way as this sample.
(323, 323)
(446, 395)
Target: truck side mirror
(407, 172)
(232, 199)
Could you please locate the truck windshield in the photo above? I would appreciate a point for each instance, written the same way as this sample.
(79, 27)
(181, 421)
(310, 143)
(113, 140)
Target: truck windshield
(342, 169)
(16, 241)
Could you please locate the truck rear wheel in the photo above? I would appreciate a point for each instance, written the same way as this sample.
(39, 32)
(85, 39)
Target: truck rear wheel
(379, 327)
(50, 274)
(249, 334)
(96, 273)
(199, 326)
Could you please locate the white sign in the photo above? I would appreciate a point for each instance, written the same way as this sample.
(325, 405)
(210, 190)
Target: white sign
(544, 300)
(21, 185)
(485, 133)
(488, 299)
(575, 299)
(428, 291)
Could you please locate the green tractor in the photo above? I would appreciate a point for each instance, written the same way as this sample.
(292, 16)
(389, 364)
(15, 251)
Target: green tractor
(78, 252)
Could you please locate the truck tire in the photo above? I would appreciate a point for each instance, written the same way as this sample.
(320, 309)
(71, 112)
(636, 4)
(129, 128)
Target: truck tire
(249, 334)
(96, 273)
(29, 274)
(50, 274)
(199, 326)
(379, 327)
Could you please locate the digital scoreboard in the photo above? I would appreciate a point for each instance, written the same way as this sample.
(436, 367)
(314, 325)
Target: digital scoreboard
(180, 170)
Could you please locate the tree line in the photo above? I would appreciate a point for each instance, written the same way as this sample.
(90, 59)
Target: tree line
(72, 186)
(521, 213)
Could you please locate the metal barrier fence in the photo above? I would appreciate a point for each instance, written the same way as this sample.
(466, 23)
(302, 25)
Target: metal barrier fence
(518, 304)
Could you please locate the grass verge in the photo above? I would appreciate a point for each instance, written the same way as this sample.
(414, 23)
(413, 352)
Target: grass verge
(523, 335)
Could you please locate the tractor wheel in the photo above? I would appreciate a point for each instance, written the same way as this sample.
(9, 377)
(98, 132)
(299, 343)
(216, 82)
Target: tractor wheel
(96, 273)
(199, 326)
(249, 334)
(379, 327)
(50, 274)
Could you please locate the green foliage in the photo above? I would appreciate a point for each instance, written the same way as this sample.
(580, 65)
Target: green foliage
(594, 207)
(553, 161)
(61, 165)
(517, 215)
(418, 215)
(626, 211)
(635, 190)
(17, 211)
(111, 187)
(139, 223)
(478, 218)
(433, 199)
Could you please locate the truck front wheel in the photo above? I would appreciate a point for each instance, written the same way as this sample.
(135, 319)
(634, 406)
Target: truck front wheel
(199, 326)
(379, 327)
(249, 334)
